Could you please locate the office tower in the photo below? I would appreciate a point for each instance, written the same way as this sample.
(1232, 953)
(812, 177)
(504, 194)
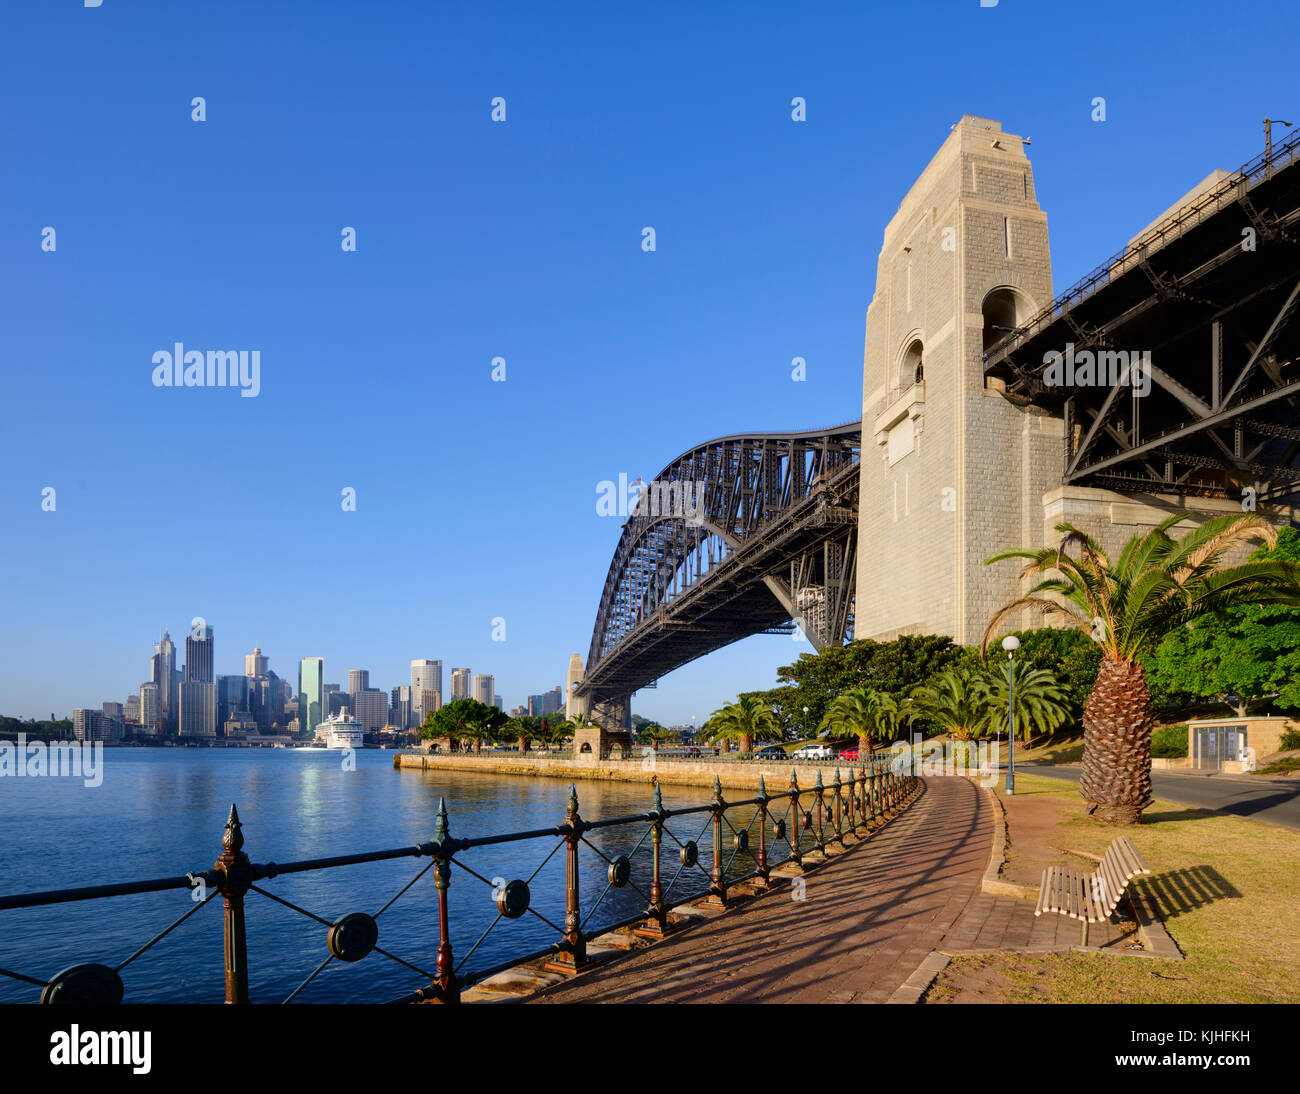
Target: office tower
(499, 703)
(371, 709)
(88, 725)
(198, 708)
(256, 663)
(331, 689)
(553, 700)
(459, 684)
(358, 681)
(426, 676)
(518, 712)
(401, 714)
(113, 710)
(232, 697)
(535, 705)
(198, 655)
(429, 702)
(162, 671)
(131, 711)
(484, 688)
(150, 715)
(311, 694)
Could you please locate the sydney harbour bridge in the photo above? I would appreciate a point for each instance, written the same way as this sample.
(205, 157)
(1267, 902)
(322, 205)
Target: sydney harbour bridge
(1211, 290)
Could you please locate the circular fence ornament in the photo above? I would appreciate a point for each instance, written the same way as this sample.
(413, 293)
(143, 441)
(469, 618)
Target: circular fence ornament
(742, 841)
(84, 985)
(620, 870)
(513, 899)
(352, 936)
(690, 853)
(778, 830)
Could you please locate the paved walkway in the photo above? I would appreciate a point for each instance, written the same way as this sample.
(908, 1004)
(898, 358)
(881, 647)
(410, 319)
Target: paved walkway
(868, 920)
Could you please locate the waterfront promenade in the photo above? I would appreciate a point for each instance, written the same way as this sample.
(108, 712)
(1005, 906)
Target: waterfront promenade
(867, 920)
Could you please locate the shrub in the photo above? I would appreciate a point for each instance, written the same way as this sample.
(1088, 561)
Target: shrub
(1290, 741)
(1169, 742)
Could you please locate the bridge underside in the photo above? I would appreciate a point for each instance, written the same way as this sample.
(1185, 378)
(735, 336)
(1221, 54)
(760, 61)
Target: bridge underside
(767, 543)
(1213, 293)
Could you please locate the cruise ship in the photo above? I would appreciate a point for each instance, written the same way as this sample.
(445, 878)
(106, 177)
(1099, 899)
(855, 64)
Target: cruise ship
(342, 731)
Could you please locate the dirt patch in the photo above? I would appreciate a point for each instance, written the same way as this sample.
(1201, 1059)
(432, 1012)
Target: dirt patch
(983, 980)
(1033, 823)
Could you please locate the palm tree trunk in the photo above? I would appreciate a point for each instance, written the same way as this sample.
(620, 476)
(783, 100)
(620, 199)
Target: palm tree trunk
(1117, 724)
(746, 743)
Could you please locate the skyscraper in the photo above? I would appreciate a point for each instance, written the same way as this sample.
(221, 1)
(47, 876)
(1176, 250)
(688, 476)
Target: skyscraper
(162, 672)
(198, 708)
(198, 655)
(311, 694)
(255, 663)
(150, 718)
(484, 688)
(371, 709)
(426, 675)
(401, 714)
(459, 684)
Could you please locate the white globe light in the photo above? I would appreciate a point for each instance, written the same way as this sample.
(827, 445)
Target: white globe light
(1010, 643)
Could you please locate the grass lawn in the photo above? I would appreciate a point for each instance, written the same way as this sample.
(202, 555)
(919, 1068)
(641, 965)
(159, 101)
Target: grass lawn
(1228, 892)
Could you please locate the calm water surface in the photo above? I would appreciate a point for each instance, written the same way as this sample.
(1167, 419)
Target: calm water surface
(160, 813)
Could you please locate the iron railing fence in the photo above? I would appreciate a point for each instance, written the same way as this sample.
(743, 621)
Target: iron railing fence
(786, 827)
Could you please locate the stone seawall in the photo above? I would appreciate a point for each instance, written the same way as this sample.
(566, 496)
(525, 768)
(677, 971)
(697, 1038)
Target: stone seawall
(734, 775)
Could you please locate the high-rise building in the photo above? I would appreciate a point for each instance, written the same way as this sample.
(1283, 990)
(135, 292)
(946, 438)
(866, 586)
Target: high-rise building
(429, 702)
(460, 684)
(552, 700)
(311, 695)
(499, 703)
(198, 655)
(198, 708)
(131, 711)
(484, 688)
(162, 672)
(91, 725)
(150, 715)
(426, 676)
(255, 663)
(371, 709)
(400, 715)
(358, 681)
(232, 697)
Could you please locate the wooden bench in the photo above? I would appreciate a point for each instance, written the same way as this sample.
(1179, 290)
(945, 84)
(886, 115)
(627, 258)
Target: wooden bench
(1091, 898)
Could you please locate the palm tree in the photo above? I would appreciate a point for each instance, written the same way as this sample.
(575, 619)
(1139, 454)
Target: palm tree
(864, 713)
(958, 699)
(1158, 583)
(653, 733)
(1042, 704)
(743, 720)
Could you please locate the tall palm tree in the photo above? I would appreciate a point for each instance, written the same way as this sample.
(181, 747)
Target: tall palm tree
(1041, 703)
(864, 713)
(653, 733)
(958, 699)
(1157, 583)
(742, 721)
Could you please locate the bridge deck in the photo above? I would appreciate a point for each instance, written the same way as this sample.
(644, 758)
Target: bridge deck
(869, 919)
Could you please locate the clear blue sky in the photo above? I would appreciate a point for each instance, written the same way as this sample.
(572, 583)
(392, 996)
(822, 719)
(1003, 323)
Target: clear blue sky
(476, 499)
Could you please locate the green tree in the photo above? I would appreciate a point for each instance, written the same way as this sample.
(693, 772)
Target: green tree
(1245, 654)
(746, 720)
(1071, 656)
(1157, 584)
(464, 720)
(1041, 703)
(958, 700)
(653, 734)
(862, 713)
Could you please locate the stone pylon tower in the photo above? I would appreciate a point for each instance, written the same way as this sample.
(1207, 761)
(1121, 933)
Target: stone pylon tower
(952, 471)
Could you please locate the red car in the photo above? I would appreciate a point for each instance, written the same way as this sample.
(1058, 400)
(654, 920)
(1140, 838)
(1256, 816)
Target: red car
(848, 754)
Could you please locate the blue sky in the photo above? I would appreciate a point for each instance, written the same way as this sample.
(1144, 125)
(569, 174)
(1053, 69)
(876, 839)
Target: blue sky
(475, 499)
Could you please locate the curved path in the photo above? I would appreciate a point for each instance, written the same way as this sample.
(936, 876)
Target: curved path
(869, 918)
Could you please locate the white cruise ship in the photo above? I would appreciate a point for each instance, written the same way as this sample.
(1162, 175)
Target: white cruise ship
(342, 731)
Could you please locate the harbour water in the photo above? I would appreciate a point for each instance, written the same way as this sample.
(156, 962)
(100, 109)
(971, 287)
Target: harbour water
(160, 813)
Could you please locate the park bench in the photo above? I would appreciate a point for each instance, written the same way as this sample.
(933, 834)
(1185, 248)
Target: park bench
(1092, 897)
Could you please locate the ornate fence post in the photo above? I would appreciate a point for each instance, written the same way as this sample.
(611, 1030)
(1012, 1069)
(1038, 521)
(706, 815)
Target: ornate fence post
(838, 789)
(762, 831)
(820, 791)
(573, 955)
(656, 924)
(718, 882)
(794, 820)
(446, 988)
(236, 877)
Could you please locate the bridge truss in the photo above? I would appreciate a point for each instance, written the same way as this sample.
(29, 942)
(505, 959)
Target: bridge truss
(1213, 292)
(748, 534)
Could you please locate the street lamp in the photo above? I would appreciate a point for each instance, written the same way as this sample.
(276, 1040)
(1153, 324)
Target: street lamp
(1011, 643)
(805, 723)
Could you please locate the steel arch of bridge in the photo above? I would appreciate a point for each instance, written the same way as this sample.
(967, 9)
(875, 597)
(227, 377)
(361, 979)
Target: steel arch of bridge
(741, 535)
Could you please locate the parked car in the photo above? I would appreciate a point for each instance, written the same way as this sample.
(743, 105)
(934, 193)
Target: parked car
(849, 754)
(814, 752)
(770, 752)
(693, 753)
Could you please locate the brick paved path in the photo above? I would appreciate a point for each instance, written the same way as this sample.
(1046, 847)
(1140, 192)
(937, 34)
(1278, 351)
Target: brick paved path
(869, 918)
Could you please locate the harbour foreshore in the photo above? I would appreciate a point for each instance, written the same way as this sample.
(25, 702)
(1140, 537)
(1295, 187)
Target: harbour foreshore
(732, 774)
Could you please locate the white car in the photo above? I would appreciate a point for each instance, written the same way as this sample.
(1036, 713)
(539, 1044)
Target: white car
(814, 752)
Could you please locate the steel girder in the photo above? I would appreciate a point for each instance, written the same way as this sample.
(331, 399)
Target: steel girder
(1213, 293)
(742, 535)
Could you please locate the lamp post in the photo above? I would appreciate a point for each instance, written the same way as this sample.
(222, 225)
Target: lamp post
(805, 723)
(1011, 643)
